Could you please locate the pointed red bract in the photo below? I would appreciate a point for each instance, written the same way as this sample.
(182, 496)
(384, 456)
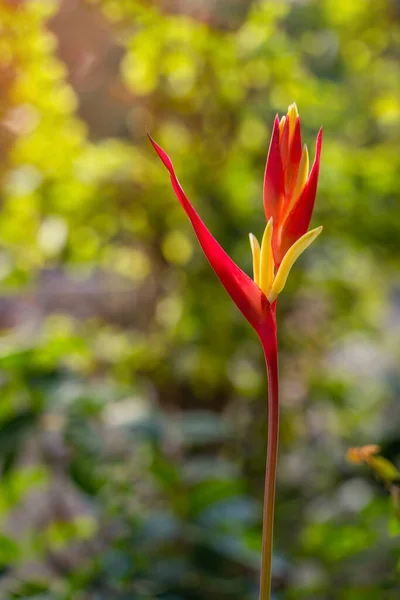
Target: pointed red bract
(296, 147)
(244, 292)
(298, 220)
(274, 182)
(293, 163)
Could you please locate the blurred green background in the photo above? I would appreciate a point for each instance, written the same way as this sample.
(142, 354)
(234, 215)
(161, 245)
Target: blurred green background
(132, 392)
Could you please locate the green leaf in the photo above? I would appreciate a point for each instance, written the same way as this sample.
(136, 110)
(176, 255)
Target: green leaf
(384, 468)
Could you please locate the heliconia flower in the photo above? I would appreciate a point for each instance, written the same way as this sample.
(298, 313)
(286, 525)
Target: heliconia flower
(289, 195)
(289, 189)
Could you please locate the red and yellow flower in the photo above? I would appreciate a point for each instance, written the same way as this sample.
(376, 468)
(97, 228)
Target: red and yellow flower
(289, 196)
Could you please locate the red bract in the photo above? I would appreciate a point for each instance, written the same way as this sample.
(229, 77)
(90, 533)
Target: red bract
(247, 296)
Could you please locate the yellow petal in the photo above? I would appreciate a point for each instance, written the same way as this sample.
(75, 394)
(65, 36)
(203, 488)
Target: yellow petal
(289, 259)
(302, 175)
(281, 125)
(267, 260)
(293, 113)
(255, 250)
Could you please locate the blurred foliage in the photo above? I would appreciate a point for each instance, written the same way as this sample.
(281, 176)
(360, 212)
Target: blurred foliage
(133, 394)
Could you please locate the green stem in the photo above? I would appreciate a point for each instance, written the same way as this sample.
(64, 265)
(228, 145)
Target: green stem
(271, 357)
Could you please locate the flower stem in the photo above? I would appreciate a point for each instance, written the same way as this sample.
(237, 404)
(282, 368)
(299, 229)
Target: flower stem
(271, 357)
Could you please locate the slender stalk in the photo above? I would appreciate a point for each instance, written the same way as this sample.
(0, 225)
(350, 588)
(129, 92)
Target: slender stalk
(271, 357)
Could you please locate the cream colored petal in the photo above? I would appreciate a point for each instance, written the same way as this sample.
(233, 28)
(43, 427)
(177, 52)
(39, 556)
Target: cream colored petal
(255, 250)
(289, 259)
(267, 260)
